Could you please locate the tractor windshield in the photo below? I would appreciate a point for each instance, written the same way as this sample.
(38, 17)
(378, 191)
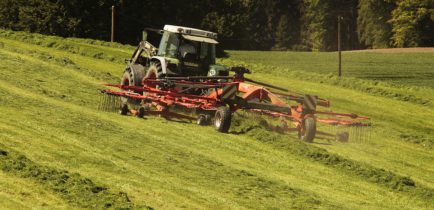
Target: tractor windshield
(203, 52)
(169, 45)
(175, 46)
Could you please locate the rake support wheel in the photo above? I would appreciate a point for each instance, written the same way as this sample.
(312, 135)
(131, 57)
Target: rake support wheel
(222, 119)
(308, 130)
(124, 110)
(140, 112)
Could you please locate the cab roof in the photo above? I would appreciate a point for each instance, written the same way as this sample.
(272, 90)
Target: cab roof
(191, 32)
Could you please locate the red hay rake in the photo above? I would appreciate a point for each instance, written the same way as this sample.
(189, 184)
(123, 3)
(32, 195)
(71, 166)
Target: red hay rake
(215, 99)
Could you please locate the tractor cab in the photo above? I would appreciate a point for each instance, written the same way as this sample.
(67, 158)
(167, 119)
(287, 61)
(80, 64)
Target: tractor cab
(191, 50)
(182, 51)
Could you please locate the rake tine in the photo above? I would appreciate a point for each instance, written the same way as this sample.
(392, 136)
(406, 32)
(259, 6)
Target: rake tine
(109, 99)
(358, 138)
(99, 102)
(111, 103)
(356, 133)
(115, 106)
(104, 105)
(107, 105)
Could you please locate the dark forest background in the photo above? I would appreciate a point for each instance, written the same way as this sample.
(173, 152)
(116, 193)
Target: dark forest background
(307, 25)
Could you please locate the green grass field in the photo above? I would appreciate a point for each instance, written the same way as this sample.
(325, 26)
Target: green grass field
(58, 151)
(416, 69)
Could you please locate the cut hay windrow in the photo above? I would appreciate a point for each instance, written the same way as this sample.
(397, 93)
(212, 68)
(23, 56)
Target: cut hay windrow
(258, 128)
(72, 187)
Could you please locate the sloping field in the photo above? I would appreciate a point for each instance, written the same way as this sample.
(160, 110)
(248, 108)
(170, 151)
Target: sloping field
(58, 151)
(400, 50)
(413, 66)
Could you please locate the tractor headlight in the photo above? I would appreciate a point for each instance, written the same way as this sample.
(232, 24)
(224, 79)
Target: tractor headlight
(212, 72)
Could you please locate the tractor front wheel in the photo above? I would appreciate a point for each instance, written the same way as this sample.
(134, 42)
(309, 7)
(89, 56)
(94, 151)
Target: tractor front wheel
(308, 130)
(131, 77)
(154, 72)
(222, 119)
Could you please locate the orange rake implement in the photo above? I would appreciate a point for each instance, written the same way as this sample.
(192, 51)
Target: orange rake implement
(215, 99)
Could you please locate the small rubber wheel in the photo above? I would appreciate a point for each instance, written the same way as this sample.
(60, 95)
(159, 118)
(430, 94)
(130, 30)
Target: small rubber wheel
(141, 112)
(203, 120)
(308, 130)
(124, 109)
(222, 119)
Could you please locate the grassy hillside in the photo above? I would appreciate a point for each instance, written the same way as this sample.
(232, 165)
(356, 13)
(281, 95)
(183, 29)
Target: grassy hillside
(416, 69)
(58, 151)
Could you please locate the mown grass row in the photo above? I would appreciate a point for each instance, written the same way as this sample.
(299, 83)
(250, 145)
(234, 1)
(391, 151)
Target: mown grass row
(253, 126)
(72, 187)
(112, 52)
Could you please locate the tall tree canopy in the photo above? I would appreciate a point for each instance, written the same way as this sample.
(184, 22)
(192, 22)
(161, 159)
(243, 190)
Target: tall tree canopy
(241, 24)
(413, 23)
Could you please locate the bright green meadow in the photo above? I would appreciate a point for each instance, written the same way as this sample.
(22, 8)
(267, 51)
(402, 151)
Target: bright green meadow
(58, 151)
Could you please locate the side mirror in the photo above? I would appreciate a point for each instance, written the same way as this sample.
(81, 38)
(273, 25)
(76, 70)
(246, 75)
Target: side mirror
(144, 35)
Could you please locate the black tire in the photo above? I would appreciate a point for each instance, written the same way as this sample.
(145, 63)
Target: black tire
(124, 109)
(131, 77)
(222, 119)
(308, 131)
(140, 112)
(154, 72)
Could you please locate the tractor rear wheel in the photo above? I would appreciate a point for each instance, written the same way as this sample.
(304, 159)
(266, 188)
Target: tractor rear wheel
(308, 130)
(222, 119)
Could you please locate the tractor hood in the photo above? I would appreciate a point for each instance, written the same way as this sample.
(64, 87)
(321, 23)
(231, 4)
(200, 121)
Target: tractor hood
(200, 39)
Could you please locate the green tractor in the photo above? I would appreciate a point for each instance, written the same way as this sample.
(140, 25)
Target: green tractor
(182, 51)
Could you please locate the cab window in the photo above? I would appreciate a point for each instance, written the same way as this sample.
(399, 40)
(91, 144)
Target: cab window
(169, 45)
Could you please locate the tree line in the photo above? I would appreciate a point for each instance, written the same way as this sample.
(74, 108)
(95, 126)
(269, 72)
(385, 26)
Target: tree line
(306, 25)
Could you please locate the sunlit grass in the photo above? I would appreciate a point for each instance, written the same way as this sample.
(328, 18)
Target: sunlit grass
(49, 114)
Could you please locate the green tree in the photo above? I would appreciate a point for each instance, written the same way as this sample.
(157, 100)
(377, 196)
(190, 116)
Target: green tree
(42, 16)
(283, 36)
(320, 20)
(413, 23)
(316, 16)
(9, 11)
(374, 30)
